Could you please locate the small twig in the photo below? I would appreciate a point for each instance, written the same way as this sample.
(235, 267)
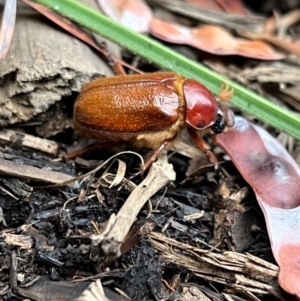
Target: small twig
(112, 273)
(160, 174)
(95, 227)
(168, 285)
(13, 271)
(28, 141)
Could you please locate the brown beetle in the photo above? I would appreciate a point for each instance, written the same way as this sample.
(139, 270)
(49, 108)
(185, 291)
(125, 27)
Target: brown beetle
(148, 111)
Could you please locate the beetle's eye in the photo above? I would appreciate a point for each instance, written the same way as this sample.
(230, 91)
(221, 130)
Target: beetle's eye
(220, 124)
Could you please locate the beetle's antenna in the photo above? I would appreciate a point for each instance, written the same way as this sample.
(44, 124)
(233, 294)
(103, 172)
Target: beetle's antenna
(225, 93)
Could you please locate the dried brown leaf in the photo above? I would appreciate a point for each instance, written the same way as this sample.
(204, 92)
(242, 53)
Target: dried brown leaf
(213, 39)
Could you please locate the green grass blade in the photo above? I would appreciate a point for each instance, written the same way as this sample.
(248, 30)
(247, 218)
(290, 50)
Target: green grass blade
(166, 58)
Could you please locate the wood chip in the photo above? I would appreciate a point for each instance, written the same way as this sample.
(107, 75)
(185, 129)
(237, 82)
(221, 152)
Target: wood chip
(24, 241)
(32, 173)
(19, 139)
(44, 70)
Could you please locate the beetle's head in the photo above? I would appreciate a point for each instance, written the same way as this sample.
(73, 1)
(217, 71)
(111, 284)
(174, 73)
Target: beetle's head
(203, 110)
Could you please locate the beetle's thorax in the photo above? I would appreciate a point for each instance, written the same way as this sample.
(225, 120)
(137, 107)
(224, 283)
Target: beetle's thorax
(201, 105)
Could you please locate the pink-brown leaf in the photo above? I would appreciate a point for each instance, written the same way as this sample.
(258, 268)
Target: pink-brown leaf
(213, 39)
(275, 178)
(7, 26)
(134, 14)
(170, 32)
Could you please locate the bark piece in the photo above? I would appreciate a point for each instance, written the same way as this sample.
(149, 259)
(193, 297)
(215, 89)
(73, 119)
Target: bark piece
(193, 294)
(238, 226)
(43, 64)
(19, 189)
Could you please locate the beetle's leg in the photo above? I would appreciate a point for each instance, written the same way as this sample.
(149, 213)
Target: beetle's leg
(79, 150)
(204, 147)
(152, 158)
(155, 155)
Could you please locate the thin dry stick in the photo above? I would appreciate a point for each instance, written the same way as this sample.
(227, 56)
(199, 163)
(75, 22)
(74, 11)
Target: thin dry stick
(160, 174)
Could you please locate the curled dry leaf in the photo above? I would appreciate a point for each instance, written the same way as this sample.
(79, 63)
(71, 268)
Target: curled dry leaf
(133, 14)
(213, 39)
(120, 174)
(275, 178)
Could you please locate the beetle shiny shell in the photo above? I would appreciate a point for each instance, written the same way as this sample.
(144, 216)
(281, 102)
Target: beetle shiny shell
(146, 110)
